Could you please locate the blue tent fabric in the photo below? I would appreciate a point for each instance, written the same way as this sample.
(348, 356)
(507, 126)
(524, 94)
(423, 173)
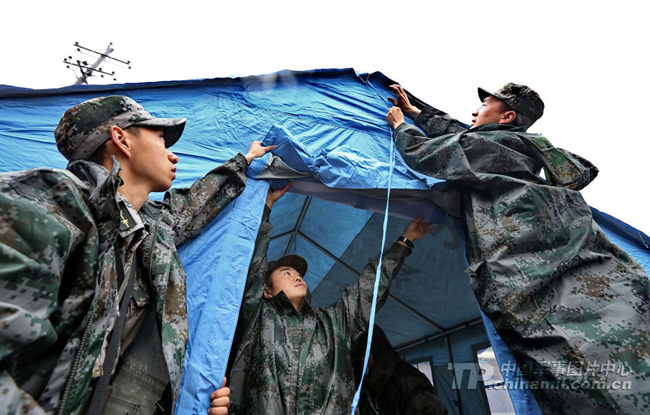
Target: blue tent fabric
(522, 400)
(211, 265)
(631, 240)
(333, 143)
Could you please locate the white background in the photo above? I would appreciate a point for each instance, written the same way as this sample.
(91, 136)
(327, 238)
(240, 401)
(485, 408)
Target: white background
(587, 59)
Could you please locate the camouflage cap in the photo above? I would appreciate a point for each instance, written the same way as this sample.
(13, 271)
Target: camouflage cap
(294, 261)
(521, 99)
(84, 127)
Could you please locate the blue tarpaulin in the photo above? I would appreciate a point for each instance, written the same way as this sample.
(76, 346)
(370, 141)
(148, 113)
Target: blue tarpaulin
(331, 132)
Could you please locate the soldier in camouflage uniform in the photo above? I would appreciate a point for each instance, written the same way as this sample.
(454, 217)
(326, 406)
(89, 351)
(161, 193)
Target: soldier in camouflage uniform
(60, 234)
(392, 385)
(294, 359)
(572, 307)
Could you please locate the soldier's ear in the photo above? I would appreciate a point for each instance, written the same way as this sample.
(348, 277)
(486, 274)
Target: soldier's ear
(508, 117)
(268, 293)
(119, 140)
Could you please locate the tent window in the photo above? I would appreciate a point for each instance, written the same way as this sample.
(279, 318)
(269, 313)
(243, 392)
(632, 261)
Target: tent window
(495, 391)
(425, 367)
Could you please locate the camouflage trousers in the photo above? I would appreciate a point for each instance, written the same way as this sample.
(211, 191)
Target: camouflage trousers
(141, 376)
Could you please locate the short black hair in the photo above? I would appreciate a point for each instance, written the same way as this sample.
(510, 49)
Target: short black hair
(99, 154)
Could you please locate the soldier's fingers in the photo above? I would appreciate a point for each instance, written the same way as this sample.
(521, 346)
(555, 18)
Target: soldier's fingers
(220, 402)
(220, 393)
(218, 411)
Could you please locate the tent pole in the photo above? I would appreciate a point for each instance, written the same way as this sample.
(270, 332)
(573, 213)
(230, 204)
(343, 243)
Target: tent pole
(273, 238)
(444, 333)
(303, 212)
(412, 310)
(453, 374)
(358, 274)
(329, 254)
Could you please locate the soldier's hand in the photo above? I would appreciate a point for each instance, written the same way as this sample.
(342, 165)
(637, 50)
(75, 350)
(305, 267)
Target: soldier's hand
(219, 400)
(257, 150)
(417, 229)
(394, 117)
(275, 194)
(402, 101)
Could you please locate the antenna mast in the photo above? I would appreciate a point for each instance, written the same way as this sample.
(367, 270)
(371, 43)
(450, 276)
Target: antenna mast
(87, 70)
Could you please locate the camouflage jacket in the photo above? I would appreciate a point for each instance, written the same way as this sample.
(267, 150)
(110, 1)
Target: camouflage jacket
(293, 362)
(560, 294)
(58, 281)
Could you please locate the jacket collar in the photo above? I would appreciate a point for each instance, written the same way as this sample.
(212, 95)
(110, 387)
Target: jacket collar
(282, 303)
(130, 219)
(493, 126)
(103, 185)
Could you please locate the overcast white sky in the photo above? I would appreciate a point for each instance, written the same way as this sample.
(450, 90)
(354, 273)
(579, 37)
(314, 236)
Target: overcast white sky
(587, 59)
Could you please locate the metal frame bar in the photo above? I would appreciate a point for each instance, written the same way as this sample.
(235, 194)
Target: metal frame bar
(296, 229)
(453, 373)
(451, 330)
(358, 274)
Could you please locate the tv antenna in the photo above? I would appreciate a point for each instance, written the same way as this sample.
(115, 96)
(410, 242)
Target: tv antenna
(87, 70)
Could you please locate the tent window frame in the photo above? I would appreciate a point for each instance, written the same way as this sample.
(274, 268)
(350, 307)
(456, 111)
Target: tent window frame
(475, 349)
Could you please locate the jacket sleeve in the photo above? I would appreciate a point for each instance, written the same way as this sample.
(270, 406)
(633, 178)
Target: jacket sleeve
(196, 206)
(15, 401)
(442, 157)
(442, 151)
(255, 281)
(356, 301)
(483, 156)
(35, 247)
(435, 122)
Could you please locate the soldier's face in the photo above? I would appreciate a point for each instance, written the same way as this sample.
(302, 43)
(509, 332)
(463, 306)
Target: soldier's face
(290, 281)
(152, 162)
(491, 110)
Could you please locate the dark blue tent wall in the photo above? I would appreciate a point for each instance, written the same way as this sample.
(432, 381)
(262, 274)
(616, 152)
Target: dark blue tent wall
(330, 124)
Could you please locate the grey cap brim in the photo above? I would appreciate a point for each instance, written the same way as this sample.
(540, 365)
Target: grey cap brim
(172, 128)
(482, 94)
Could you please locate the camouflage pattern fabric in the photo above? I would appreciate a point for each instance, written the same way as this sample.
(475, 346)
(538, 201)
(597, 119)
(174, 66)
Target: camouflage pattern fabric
(293, 362)
(58, 281)
(393, 386)
(84, 127)
(572, 307)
